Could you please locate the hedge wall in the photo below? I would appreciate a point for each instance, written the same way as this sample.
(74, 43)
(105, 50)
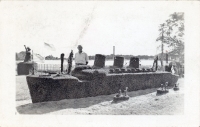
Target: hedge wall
(53, 88)
(26, 68)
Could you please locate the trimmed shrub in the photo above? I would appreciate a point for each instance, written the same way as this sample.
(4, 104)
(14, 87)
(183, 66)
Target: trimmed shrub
(95, 82)
(99, 61)
(119, 61)
(26, 68)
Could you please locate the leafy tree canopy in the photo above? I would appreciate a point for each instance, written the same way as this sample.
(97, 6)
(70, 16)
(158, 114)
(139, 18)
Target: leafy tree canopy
(172, 33)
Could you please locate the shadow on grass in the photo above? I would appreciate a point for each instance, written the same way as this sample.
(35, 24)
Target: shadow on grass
(47, 107)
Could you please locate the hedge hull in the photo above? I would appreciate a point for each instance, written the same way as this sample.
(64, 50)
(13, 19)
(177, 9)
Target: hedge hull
(54, 88)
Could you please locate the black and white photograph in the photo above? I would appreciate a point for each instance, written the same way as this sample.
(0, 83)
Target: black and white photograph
(101, 59)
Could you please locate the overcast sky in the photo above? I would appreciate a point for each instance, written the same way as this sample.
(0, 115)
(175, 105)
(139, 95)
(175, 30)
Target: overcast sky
(132, 27)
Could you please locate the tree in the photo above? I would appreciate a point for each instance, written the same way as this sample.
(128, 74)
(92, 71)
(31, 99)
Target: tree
(171, 34)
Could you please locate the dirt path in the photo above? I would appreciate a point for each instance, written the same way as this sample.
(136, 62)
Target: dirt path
(141, 102)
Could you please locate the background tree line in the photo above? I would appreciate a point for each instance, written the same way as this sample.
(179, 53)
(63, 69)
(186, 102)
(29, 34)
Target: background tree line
(21, 56)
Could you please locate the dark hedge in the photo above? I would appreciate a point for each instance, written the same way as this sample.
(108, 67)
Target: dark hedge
(93, 83)
(26, 68)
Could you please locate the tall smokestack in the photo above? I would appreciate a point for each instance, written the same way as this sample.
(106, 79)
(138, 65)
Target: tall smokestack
(62, 60)
(113, 52)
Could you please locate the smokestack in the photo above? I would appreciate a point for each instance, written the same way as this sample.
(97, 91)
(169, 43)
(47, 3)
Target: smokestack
(113, 52)
(62, 59)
